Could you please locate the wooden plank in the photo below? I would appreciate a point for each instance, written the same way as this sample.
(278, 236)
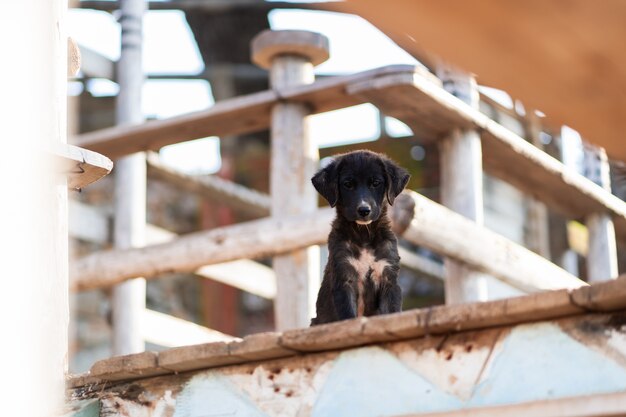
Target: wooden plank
(212, 187)
(206, 355)
(439, 320)
(81, 166)
(411, 98)
(327, 337)
(117, 368)
(598, 405)
(260, 346)
(605, 296)
(234, 116)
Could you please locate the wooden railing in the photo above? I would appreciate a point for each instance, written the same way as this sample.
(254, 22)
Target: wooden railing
(415, 97)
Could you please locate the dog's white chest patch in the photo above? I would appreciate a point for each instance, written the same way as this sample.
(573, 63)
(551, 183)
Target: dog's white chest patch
(367, 262)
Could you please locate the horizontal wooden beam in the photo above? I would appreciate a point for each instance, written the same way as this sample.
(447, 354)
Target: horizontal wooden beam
(426, 223)
(234, 116)
(432, 112)
(254, 239)
(416, 218)
(211, 187)
(94, 225)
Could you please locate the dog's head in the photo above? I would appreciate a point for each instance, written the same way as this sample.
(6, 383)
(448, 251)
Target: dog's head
(359, 182)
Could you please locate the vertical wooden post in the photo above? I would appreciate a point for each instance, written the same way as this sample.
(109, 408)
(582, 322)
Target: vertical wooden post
(129, 298)
(290, 57)
(602, 248)
(462, 186)
(539, 228)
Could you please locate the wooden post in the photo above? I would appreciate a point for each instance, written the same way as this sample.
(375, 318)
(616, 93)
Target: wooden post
(129, 298)
(462, 186)
(538, 238)
(290, 57)
(602, 248)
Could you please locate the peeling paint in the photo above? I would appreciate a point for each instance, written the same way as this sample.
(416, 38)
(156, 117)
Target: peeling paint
(454, 367)
(372, 382)
(581, 355)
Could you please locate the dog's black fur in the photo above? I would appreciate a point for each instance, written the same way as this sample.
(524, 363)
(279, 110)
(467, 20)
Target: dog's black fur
(362, 269)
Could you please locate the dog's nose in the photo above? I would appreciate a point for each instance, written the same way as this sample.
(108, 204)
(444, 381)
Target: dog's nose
(363, 211)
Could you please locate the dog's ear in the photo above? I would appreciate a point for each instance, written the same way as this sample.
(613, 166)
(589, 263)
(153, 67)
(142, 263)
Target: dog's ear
(326, 183)
(397, 178)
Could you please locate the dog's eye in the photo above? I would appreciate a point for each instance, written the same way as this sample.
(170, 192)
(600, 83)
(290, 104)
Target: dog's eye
(348, 184)
(376, 183)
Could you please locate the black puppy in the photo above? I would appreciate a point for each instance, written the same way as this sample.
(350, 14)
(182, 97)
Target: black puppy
(360, 276)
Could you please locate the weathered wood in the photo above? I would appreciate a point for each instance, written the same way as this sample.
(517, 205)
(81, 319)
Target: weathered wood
(538, 237)
(234, 116)
(415, 218)
(413, 98)
(128, 299)
(81, 166)
(255, 239)
(260, 346)
(197, 356)
(602, 252)
(440, 320)
(92, 225)
(462, 186)
(290, 56)
(213, 188)
(136, 365)
(446, 232)
(327, 337)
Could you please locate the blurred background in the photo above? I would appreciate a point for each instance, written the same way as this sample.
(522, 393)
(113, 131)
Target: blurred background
(197, 53)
